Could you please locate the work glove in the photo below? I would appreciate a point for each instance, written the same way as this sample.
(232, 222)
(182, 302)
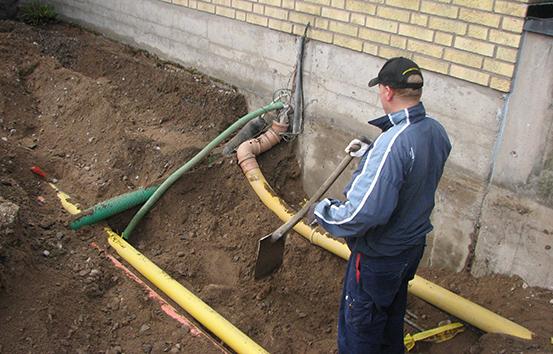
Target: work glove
(362, 148)
(310, 216)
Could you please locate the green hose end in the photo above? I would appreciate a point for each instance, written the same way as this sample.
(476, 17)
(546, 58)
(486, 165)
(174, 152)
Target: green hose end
(113, 206)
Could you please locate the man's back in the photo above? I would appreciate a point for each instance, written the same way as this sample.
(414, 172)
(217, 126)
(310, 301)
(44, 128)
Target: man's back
(391, 195)
(422, 148)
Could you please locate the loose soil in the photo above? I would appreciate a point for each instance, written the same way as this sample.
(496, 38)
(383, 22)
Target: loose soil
(101, 119)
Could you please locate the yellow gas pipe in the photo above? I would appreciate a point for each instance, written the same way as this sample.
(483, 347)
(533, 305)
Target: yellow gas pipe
(444, 299)
(268, 196)
(198, 309)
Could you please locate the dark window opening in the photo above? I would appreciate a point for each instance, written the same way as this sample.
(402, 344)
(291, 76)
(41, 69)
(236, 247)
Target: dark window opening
(539, 18)
(540, 10)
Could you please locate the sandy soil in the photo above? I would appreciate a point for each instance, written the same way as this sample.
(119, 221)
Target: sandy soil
(101, 119)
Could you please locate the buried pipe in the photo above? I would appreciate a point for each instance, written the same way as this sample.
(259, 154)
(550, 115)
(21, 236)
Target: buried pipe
(434, 294)
(65, 201)
(198, 309)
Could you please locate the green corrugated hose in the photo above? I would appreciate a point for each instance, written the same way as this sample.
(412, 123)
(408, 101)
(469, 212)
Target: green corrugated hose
(126, 201)
(111, 207)
(192, 162)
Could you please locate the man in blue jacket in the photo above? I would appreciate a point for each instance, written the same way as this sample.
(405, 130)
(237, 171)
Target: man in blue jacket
(386, 215)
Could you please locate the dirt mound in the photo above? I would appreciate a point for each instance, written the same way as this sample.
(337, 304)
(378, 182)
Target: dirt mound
(102, 119)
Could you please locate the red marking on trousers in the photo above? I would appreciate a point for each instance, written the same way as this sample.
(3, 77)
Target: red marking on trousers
(357, 264)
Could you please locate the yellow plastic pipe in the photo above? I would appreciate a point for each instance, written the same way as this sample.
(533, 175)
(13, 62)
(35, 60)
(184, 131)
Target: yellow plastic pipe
(268, 196)
(216, 323)
(210, 319)
(444, 299)
(466, 310)
(66, 201)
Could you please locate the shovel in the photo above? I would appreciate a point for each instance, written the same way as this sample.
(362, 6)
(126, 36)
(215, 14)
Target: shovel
(270, 249)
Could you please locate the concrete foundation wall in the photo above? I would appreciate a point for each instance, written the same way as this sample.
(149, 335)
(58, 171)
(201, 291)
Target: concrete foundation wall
(338, 102)
(516, 235)
(526, 135)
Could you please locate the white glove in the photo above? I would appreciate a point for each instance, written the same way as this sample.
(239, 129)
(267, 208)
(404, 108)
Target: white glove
(353, 145)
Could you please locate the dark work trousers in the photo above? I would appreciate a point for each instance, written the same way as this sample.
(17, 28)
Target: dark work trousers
(374, 299)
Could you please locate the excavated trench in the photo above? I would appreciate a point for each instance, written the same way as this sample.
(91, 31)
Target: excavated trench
(101, 119)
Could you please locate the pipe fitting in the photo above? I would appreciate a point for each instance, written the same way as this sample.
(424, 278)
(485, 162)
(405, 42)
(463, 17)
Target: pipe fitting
(248, 150)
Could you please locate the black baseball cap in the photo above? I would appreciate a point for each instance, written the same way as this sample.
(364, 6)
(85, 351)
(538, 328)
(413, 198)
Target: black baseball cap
(395, 73)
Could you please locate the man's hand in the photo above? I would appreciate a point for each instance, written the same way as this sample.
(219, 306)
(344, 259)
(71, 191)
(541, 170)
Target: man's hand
(310, 216)
(357, 148)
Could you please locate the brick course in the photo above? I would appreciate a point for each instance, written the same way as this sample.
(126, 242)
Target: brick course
(474, 40)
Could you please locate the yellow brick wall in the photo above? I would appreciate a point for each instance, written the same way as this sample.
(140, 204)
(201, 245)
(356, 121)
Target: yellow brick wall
(474, 40)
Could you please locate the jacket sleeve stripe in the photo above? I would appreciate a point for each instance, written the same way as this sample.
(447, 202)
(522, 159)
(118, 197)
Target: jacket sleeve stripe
(338, 208)
(363, 171)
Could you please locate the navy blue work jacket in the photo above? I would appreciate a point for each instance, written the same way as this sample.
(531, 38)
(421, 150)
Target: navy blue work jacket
(391, 194)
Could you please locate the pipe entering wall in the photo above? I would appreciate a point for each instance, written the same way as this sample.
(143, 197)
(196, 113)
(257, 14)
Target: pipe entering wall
(248, 150)
(149, 196)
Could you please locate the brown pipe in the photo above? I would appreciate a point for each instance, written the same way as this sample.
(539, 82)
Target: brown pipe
(248, 150)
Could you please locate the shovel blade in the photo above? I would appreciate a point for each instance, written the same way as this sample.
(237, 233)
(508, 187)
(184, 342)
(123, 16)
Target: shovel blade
(269, 256)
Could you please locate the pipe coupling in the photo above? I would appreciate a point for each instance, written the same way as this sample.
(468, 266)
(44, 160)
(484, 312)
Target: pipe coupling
(248, 150)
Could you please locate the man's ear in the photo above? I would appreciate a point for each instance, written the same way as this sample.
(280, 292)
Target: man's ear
(388, 93)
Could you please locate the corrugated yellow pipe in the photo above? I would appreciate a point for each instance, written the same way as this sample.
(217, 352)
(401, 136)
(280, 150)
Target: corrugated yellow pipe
(449, 302)
(216, 323)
